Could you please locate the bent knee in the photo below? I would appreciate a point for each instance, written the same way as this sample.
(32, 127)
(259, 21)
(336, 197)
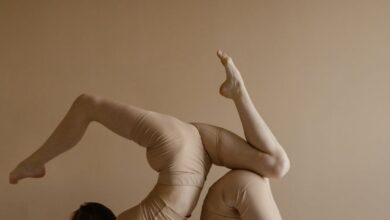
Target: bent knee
(84, 105)
(85, 99)
(279, 167)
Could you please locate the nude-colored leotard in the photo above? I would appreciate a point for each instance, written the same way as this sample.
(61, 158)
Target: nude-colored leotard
(182, 154)
(175, 150)
(240, 194)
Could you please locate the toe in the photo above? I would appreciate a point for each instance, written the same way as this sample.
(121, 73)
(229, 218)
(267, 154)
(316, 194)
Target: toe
(225, 59)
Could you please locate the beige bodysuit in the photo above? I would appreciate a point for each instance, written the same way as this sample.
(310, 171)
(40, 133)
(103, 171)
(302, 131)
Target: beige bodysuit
(174, 149)
(182, 154)
(240, 194)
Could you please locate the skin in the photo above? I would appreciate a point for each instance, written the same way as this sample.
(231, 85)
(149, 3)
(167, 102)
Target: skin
(261, 152)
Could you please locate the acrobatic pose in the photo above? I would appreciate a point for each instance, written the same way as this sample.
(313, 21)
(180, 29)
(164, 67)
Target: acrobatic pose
(181, 152)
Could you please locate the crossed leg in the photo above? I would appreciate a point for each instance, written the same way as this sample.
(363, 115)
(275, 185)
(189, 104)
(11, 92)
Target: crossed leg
(260, 152)
(241, 194)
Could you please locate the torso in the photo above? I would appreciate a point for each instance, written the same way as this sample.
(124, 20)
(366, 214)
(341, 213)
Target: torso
(175, 150)
(182, 199)
(182, 163)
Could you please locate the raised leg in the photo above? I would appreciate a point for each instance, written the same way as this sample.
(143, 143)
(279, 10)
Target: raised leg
(117, 117)
(240, 194)
(260, 152)
(256, 131)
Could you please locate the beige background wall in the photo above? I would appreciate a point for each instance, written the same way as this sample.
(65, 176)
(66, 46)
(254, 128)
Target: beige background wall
(318, 72)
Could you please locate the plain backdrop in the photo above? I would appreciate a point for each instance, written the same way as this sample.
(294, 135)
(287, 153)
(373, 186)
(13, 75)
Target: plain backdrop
(318, 72)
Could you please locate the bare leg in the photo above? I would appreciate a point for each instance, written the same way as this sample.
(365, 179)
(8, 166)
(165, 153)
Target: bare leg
(256, 131)
(260, 152)
(117, 117)
(241, 194)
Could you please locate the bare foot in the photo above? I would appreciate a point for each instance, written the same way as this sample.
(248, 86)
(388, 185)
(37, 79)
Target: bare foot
(233, 84)
(25, 170)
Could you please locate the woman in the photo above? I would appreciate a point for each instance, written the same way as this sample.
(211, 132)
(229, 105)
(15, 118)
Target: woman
(181, 152)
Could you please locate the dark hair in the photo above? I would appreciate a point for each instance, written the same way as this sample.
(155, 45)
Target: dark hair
(93, 211)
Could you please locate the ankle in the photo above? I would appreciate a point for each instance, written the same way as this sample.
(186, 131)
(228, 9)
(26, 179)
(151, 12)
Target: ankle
(31, 163)
(239, 91)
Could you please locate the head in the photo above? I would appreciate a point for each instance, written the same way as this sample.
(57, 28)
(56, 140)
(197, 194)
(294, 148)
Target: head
(93, 211)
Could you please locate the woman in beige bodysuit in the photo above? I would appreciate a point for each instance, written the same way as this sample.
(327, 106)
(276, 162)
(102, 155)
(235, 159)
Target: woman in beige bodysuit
(180, 152)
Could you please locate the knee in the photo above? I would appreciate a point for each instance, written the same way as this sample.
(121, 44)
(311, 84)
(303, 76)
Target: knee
(84, 104)
(279, 167)
(84, 100)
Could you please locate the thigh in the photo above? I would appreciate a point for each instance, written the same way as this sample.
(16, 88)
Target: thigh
(215, 206)
(256, 199)
(240, 194)
(140, 125)
(226, 148)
